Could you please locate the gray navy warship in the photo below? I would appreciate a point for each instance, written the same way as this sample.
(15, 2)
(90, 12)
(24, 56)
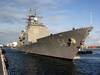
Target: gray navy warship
(37, 39)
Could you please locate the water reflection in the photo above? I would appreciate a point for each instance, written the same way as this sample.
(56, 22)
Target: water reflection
(29, 64)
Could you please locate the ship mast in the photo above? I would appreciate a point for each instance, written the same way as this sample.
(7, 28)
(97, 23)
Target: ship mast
(34, 20)
(91, 18)
(30, 10)
(35, 12)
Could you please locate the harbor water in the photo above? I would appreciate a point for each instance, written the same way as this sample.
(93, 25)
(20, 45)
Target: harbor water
(29, 64)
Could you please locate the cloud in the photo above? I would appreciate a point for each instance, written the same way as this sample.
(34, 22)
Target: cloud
(9, 34)
(98, 32)
(91, 41)
(56, 20)
(48, 2)
(64, 1)
(99, 41)
(61, 29)
(67, 27)
(44, 2)
(9, 18)
(53, 31)
(61, 11)
(12, 12)
(36, 3)
(8, 37)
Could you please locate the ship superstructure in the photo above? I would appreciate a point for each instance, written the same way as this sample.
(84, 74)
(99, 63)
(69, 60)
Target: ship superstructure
(34, 30)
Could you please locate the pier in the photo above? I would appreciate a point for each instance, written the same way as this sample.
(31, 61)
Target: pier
(3, 70)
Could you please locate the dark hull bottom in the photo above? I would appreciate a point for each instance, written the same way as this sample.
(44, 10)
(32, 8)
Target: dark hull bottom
(52, 57)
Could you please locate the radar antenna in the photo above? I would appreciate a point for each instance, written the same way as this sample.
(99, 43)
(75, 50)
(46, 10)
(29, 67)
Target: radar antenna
(37, 16)
(31, 15)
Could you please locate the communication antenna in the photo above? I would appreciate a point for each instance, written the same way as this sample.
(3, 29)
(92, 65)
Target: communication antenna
(91, 18)
(30, 10)
(19, 29)
(90, 21)
(35, 12)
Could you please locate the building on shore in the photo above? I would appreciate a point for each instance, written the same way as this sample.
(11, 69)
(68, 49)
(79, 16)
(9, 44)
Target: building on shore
(13, 44)
(1, 45)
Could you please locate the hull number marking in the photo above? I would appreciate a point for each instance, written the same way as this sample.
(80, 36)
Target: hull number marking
(61, 42)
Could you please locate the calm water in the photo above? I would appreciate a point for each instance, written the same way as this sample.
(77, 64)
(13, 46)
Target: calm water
(28, 64)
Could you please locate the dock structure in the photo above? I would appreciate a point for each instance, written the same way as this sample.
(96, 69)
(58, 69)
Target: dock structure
(3, 70)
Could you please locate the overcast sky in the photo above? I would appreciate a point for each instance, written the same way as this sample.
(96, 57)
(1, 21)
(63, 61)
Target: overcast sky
(58, 16)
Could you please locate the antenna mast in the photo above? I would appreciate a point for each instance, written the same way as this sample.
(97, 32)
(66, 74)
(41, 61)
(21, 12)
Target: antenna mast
(91, 18)
(35, 12)
(30, 10)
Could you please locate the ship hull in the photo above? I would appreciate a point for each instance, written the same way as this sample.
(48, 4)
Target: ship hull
(58, 45)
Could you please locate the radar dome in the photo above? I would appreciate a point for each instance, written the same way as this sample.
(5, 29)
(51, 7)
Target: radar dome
(35, 19)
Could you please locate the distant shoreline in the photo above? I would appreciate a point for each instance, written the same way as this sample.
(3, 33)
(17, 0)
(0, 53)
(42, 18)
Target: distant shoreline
(90, 48)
